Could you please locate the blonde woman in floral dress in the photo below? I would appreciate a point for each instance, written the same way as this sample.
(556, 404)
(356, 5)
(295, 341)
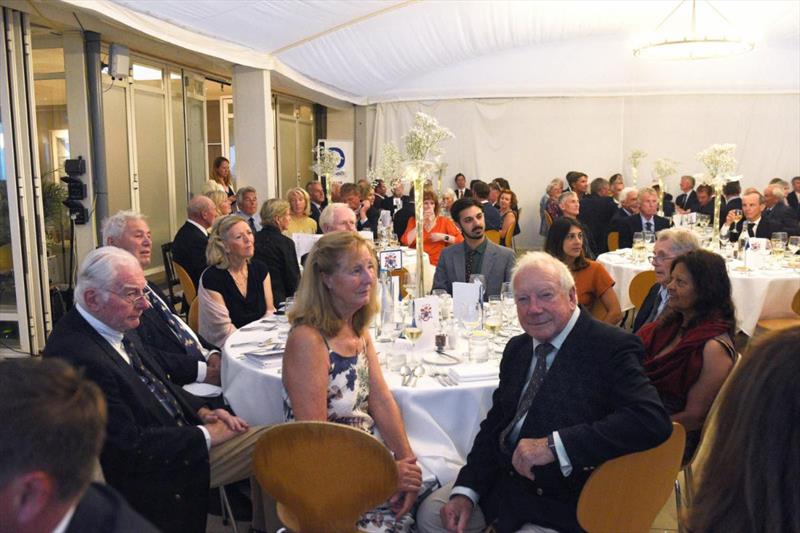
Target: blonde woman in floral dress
(330, 367)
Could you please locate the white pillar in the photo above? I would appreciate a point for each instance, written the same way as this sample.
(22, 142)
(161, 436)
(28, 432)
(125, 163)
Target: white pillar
(79, 133)
(254, 132)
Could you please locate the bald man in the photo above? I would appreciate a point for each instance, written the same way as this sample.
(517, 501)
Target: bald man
(189, 244)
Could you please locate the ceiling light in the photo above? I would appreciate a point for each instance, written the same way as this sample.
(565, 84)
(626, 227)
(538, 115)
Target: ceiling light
(692, 33)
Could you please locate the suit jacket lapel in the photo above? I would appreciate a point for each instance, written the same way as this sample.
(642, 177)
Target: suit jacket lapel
(98, 339)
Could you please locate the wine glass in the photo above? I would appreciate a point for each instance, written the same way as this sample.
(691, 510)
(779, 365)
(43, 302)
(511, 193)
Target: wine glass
(412, 332)
(471, 316)
(793, 245)
(649, 241)
(445, 304)
(737, 215)
(638, 246)
(778, 241)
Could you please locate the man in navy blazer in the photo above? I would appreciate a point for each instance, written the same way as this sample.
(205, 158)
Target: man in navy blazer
(492, 261)
(189, 243)
(491, 215)
(572, 395)
(793, 199)
(318, 201)
(687, 201)
(163, 450)
(646, 220)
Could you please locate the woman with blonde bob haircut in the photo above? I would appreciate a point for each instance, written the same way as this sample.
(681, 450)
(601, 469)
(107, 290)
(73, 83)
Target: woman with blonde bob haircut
(300, 211)
(221, 203)
(234, 290)
(330, 368)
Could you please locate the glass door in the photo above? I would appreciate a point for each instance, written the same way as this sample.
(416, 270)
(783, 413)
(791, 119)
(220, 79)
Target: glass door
(24, 296)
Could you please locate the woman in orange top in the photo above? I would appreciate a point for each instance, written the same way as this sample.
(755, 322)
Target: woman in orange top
(592, 281)
(437, 232)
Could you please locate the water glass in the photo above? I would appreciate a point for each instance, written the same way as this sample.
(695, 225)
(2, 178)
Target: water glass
(395, 359)
(478, 347)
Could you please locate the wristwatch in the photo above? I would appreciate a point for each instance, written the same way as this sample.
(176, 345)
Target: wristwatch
(552, 445)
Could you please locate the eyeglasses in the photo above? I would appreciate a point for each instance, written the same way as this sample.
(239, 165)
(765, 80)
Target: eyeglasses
(653, 259)
(132, 296)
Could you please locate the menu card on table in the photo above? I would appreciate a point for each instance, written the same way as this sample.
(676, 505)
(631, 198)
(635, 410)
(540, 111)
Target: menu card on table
(464, 296)
(426, 317)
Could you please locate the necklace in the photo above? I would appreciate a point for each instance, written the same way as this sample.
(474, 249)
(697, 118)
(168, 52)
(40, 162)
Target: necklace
(240, 278)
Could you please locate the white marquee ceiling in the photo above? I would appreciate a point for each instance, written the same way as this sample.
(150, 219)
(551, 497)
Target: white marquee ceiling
(367, 51)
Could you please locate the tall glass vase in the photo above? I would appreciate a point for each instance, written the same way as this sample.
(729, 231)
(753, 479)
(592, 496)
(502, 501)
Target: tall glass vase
(416, 174)
(715, 222)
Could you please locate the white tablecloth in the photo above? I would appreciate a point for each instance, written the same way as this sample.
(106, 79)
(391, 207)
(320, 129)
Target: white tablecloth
(441, 422)
(756, 294)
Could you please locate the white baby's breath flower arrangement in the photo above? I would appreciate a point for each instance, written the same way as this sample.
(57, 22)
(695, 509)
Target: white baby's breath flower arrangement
(325, 162)
(720, 163)
(423, 139)
(389, 167)
(664, 167)
(635, 158)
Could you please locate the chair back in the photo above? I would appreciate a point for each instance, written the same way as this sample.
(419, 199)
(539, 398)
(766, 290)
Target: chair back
(401, 273)
(613, 241)
(640, 286)
(189, 290)
(796, 302)
(324, 476)
(508, 239)
(493, 235)
(626, 493)
(194, 316)
(548, 219)
(172, 279)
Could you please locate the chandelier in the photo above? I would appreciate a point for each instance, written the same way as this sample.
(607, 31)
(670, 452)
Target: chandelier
(685, 34)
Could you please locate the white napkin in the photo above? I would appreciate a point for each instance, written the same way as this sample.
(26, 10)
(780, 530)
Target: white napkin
(474, 372)
(303, 242)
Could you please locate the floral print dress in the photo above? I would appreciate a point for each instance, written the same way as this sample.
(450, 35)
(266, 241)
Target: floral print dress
(348, 403)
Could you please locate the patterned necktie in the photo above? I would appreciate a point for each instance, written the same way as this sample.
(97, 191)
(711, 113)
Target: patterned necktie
(156, 386)
(537, 378)
(648, 226)
(468, 260)
(176, 325)
(252, 224)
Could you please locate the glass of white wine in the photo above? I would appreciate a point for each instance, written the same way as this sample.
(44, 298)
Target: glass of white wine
(471, 315)
(737, 215)
(638, 246)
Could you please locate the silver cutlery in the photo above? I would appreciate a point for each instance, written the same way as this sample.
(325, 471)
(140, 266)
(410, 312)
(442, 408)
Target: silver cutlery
(418, 373)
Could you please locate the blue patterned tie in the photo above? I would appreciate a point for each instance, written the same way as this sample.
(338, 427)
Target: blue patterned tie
(649, 226)
(156, 386)
(176, 325)
(537, 378)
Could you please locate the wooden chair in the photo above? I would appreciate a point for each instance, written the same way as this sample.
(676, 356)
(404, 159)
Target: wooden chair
(626, 493)
(613, 241)
(640, 286)
(194, 315)
(493, 235)
(324, 476)
(401, 273)
(172, 279)
(548, 219)
(774, 324)
(189, 290)
(508, 240)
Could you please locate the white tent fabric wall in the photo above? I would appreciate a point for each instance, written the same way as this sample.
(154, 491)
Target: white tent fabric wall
(530, 141)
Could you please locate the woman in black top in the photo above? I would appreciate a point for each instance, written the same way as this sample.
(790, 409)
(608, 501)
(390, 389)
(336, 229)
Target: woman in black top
(276, 250)
(234, 290)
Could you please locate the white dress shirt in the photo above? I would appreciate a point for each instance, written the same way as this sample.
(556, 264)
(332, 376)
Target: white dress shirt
(562, 457)
(114, 338)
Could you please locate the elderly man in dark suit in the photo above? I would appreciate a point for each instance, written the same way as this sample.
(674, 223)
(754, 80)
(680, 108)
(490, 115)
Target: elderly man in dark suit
(779, 213)
(163, 451)
(189, 244)
(476, 255)
(50, 439)
(793, 198)
(646, 220)
(671, 243)
(318, 201)
(687, 202)
(572, 395)
(186, 357)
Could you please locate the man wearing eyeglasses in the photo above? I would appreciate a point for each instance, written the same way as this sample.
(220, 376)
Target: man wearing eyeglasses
(670, 244)
(186, 357)
(163, 451)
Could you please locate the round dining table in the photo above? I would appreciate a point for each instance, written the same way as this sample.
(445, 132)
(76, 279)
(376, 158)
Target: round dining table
(764, 292)
(441, 420)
